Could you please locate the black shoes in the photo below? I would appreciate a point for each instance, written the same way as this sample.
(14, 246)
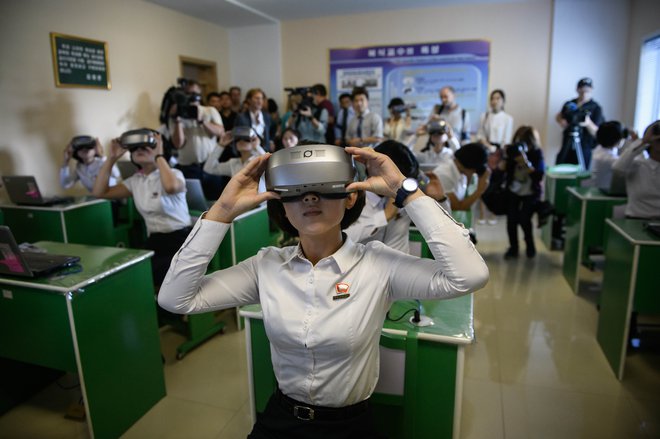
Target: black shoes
(511, 254)
(531, 252)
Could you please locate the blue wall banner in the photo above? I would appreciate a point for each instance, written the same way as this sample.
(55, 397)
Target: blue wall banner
(415, 73)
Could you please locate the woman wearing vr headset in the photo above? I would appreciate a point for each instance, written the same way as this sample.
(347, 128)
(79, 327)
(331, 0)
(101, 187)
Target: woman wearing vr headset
(441, 143)
(324, 301)
(245, 144)
(88, 153)
(158, 191)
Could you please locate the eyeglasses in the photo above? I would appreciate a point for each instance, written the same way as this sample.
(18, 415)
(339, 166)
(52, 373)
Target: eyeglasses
(326, 196)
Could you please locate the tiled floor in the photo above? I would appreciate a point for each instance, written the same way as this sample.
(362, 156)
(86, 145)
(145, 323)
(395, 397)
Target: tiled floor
(536, 371)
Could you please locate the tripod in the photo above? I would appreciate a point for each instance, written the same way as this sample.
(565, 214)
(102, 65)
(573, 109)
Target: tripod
(575, 144)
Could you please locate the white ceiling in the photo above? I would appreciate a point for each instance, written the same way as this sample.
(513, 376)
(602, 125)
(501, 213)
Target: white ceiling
(239, 13)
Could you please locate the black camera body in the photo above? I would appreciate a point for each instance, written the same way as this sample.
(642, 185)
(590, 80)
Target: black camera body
(573, 114)
(402, 108)
(307, 101)
(183, 101)
(136, 139)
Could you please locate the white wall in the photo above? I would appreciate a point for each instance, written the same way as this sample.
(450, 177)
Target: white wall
(145, 41)
(519, 33)
(255, 58)
(644, 22)
(589, 39)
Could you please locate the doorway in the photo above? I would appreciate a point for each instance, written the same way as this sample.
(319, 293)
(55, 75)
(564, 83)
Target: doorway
(201, 71)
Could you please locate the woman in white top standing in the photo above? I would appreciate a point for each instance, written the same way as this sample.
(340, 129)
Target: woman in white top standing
(495, 131)
(495, 125)
(159, 193)
(88, 153)
(323, 301)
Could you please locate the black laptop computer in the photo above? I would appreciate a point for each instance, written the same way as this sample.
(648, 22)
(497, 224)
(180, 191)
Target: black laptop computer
(653, 227)
(14, 262)
(23, 190)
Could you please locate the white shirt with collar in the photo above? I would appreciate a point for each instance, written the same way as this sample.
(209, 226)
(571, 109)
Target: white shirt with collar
(372, 125)
(162, 212)
(230, 167)
(451, 179)
(372, 225)
(324, 348)
(642, 181)
(86, 174)
(602, 160)
(257, 122)
(199, 143)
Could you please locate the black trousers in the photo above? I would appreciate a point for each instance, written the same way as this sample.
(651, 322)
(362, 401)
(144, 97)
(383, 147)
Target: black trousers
(276, 422)
(164, 245)
(519, 213)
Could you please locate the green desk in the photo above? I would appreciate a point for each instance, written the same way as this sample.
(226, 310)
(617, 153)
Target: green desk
(100, 323)
(84, 221)
(587, 210)
(630, 283)
(557, 180)
(419, 394)
(247, 235)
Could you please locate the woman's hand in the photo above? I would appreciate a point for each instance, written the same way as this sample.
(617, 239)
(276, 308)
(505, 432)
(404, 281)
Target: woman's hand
(116, 150)
(241, 193)
(384, 177)
(226, 139)
(68, 153)
(159, 144)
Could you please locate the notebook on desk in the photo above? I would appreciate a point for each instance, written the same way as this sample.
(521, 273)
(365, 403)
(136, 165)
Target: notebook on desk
(14, 262)
(23, 190)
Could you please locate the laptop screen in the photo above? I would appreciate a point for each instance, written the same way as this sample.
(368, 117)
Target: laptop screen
(22, 189)
(11, 261)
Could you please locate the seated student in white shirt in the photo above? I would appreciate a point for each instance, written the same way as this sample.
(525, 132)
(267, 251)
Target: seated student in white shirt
(245, 142)
(640, 161)
(88, 153)
(380, 219)
(323, 301)
(610, 137)
(441, 143)
(159, 194)
(455, 174)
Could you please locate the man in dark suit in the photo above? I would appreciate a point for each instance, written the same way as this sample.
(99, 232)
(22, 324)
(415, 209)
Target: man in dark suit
(256, 117)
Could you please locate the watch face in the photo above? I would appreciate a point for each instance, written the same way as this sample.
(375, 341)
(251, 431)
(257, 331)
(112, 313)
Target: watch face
(410, 185)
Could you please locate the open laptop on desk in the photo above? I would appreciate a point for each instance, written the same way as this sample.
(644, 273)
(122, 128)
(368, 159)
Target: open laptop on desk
(23, 190)
(14, 262)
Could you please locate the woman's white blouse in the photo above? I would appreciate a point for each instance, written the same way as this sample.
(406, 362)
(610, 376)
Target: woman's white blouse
(324, 321)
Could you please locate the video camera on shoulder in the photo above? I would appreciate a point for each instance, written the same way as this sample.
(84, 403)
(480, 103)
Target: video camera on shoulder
(516, 149)
(83, 142)
(140, 138)
(306, 102)
(186, 104)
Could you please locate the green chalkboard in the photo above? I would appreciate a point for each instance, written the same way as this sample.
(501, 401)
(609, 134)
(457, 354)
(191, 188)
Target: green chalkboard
(79, 62)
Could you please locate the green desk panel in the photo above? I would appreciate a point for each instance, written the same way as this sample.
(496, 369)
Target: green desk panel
(629, 284)
(100, 322)
(84, 221)
(588, 208)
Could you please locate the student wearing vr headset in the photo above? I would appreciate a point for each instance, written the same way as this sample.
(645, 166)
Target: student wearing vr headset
(441, 143)
(380, 219)
(323, 301)
(158, 191)
(88, 153)
(244, 143)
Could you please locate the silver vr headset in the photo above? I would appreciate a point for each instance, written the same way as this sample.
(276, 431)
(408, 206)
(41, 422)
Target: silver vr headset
(324, 169)
(135, 139)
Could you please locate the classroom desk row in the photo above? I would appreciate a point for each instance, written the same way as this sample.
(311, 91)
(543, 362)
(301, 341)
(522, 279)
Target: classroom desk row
(631, 254)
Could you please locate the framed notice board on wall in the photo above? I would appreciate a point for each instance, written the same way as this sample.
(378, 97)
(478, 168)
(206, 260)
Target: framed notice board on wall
(80, 62)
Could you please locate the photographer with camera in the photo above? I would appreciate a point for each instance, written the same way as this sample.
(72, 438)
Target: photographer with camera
(397, 127)
(366, 128)
(88, 154)
(640, 162)
(310, 120)
(524, 171)
(256, 118)
(450, 111)
(580, 118)
(320, 97)
(194, 129)
(158, 191)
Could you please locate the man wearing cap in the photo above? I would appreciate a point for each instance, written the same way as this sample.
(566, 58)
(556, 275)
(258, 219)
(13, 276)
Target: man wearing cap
(456, 174)
(582, 115)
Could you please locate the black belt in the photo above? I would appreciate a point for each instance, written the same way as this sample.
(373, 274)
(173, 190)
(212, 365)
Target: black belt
(307, 412)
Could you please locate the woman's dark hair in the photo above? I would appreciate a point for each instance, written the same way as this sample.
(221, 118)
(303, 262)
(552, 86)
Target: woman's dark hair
(278, 215)
(401, 155)
(395, 102)
(609, 134)
(526, 135)
(499, 92)
(272, 106)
